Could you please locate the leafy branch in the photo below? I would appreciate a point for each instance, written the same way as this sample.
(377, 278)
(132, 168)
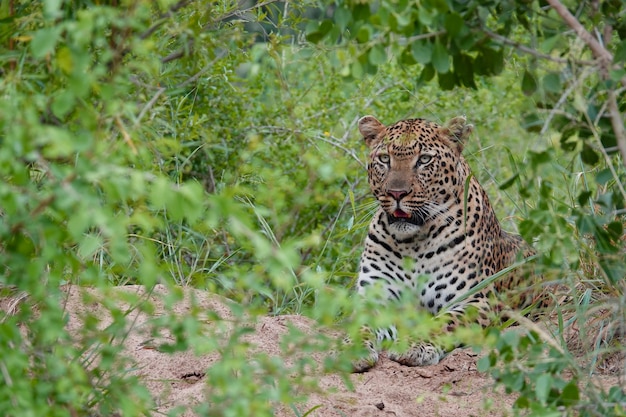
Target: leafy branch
(605, 62)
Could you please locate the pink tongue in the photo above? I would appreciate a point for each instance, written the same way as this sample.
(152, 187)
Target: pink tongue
(400, 213)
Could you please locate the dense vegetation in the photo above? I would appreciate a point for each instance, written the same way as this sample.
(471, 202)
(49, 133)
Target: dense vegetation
(213, 144)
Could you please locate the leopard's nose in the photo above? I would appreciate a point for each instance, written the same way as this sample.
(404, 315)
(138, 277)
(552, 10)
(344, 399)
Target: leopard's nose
(397, 194)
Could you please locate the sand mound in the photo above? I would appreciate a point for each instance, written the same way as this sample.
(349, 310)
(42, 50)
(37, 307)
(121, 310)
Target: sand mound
(452, 388)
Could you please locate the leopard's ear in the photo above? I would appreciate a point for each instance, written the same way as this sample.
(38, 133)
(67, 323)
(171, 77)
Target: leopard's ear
(457, 130)
(371, 130)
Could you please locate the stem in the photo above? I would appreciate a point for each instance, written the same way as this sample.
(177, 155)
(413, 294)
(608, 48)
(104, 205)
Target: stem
(12, 62)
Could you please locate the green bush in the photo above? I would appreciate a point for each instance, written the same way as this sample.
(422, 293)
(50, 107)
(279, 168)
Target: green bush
(210, 145)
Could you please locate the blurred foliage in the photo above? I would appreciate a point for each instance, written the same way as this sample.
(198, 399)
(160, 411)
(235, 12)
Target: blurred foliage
(577, 89)
(213, 145)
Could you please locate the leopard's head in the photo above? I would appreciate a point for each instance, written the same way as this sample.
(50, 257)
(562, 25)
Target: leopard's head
(416, 169)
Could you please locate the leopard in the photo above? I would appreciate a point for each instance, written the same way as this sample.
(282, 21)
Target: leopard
(433, 211)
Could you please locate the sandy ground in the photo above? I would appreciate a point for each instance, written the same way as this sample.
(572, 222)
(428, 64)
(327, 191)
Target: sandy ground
(452, 388)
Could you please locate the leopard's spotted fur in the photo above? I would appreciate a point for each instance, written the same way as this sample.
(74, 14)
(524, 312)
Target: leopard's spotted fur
(418, 174)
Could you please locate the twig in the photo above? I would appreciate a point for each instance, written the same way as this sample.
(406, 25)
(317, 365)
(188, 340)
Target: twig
(241, 11)
(531, 51)
(149, 105)
(125, 134)
(180, 53)
(406, 41)
(197, 75)
(617, 123)
(12, 61)
(562, 99)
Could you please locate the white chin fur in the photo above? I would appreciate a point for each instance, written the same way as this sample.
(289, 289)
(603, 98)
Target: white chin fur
(405, 228)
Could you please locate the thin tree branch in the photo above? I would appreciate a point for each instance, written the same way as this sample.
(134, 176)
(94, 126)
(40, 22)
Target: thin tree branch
(180, 53)
(241, 11)
(406, 41)
(586, 72)
(525, 49)
(617, 123)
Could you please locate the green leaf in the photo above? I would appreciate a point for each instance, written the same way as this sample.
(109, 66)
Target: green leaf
(403, 20)
(58, 142)
(490, 61)
(89, 245)
(552, 83)
(506, 184)
(428, 73)
(316, 33)
(529, 229)
(617, 74)
(377, 55)
(356, 70)
(342, 17)
(547, 45)
(615, 229)
(484, 364)
(421, 51)
(160, 192)
(52, 8)
(191, 197)
(440, 58)
(364, 33)
(406, 57)
(620, 52)
(588, 155)
(529, 83)
(63, 103)
(583, 197)
(604, 176)
(543, 385)
(453, 24)
(425, 16)
(570, 394)
(361, 12)
(464, 70)
(44, 41)
(447, 81)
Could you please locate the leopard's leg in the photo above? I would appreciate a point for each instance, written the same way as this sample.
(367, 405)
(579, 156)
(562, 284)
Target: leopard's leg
(425, 353)
(418, 354)
(372, 348)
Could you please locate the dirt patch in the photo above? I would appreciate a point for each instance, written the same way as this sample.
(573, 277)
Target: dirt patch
(452, 388)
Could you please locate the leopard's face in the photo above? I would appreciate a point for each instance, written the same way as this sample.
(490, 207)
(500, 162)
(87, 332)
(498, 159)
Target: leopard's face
(413, 170)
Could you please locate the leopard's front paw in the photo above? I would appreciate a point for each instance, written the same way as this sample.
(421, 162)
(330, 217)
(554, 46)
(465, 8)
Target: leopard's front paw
(418, 354)
(366, 362)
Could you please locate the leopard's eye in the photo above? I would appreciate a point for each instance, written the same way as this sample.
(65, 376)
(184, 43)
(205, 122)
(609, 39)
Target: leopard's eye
(384, 158)
(424, 159)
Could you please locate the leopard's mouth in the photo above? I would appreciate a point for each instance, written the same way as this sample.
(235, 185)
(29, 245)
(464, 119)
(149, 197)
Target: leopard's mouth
(400, 216)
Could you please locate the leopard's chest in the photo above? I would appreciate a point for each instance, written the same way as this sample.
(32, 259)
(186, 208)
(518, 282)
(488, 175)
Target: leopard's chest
(435, 271)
